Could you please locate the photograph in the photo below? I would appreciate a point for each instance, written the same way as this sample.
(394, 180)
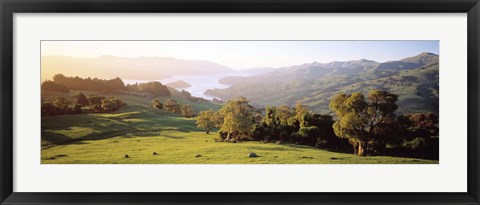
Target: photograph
(239, 101)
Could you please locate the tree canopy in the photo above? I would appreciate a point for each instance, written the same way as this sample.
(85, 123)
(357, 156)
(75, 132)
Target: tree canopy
(156, 89)
(361, 120)
(54, 87)
(81, 99)
(89, 84)
(238, 117)
(205, 119)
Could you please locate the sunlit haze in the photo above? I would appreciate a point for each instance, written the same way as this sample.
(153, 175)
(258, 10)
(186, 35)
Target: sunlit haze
(245, 54)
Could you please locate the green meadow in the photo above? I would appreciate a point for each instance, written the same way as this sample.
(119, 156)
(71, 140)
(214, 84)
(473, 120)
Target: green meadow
(140, 134)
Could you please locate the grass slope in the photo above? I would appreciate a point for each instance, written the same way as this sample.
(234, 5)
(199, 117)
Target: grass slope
(137, 130)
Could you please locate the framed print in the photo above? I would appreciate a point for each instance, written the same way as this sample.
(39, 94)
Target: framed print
(252, 102)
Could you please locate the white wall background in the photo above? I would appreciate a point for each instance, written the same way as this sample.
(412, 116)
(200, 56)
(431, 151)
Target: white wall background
(448, 176)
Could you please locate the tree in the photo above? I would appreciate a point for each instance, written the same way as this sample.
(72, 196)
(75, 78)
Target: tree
(362, 121)
(270, 116)
(157, 104)
(279, 120)
(97, 108)
(62, 104)
(80, 99)
(257, 118)
(301, 116)
(60, 79)
(95, 100)
(205, 119)
(108, 105)
(95, 84)
(76, 109)
(54, 87)
(308, 135)
(424, 120)
(283, 115)
(217, 119)
(259, 132)
(111, 104)
(113, 85)
(238, 118)
(49, 109)
(157, 89)
(326, 135)
(419, 135)
(172, 106)
(186, 110)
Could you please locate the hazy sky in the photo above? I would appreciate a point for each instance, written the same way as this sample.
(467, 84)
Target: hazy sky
(246, 54)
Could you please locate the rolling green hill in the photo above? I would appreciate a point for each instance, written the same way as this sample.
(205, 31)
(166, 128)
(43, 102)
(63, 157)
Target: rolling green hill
(150, 136)
(414, 80)
(136, 117)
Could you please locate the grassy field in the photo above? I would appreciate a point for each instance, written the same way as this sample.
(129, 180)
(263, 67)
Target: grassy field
(139, 131)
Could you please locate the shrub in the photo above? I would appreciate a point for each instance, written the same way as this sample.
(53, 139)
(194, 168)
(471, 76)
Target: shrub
(76, 109)
(97, 108)
(49, 109)
(60, 107)
(111, 104)
(186, 111)
(61, 103)
(415, 143)
(222, 135)
(284, 136)
(157, 104)
(172, 106)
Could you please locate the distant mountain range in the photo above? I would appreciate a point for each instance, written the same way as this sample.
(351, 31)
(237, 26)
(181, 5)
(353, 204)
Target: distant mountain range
(142, 68)
(414, 79)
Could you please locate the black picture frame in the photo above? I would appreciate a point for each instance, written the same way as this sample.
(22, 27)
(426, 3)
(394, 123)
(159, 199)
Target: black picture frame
(10, 7)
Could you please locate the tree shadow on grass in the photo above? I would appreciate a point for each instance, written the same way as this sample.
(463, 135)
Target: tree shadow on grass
(55, 139)
(143, 133)
(271, 148)
(173, 137)
(116, 124)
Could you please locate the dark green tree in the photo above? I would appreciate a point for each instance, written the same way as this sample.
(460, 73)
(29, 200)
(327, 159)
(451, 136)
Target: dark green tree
(361, 120)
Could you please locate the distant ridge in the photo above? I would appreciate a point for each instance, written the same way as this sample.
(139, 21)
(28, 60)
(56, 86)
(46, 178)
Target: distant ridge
(414, 79)
(424, 58)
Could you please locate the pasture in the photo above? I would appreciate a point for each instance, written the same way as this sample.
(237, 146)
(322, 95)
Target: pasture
(140, 134)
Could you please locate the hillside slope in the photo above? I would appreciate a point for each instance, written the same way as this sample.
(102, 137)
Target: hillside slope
(414, 79)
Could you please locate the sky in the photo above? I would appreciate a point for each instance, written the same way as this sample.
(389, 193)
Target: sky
(245, 54)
